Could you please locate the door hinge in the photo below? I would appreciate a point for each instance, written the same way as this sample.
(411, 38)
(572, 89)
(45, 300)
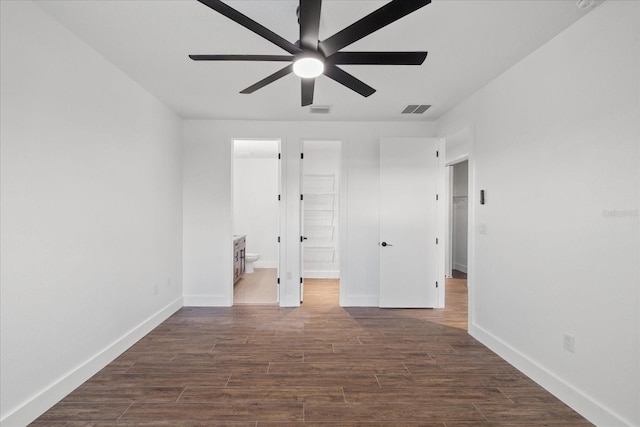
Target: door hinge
(436, 197)
(301, 239)
(301, 280)
(302, 155)
(279, 156)
(278, 197)
(278, 239)
(436, 240)
(437, 153)
(436, 283)
(278, 280)
(302, 197)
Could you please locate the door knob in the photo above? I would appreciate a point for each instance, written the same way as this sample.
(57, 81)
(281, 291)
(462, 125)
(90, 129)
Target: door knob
(384, 244)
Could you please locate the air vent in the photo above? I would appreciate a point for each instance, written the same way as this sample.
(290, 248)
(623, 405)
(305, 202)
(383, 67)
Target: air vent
(415, 109)
(320, 109)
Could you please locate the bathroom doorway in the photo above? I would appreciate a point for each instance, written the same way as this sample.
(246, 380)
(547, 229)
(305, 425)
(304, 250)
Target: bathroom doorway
(256, 220)
(320, 217)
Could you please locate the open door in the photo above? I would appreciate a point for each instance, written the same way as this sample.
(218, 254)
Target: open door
(408, 222)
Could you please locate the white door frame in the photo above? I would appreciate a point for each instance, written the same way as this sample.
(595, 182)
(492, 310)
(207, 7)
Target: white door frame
(342, 211)
(449, 160)
(281, 216)
(449, 242)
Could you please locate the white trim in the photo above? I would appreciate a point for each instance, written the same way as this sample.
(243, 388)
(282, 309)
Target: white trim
(460, 267)
(581, 402)
(343, 218)
(207, 301)
(471, 226)
(448, 243)
(282, 217)
(461, 158)
(265, 264)
(55, 392)
(322, 274)
(216, 301)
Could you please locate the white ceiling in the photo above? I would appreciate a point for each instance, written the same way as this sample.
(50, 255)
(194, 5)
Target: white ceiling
(470, 42)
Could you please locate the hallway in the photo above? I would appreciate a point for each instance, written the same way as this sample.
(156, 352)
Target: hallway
(318, 364)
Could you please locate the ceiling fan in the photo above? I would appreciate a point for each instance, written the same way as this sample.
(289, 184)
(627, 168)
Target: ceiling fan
(310, 57)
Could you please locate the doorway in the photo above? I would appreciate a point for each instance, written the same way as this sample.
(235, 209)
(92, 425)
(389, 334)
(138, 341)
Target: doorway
(320, 217)
(459, 209)
(256, 220)
(459, 219)
(456, 282)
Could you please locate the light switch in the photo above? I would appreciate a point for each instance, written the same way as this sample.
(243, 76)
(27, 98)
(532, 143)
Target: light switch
(482, 229)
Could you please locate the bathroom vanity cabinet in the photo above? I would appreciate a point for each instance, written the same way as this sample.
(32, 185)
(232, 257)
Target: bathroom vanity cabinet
(239, 261)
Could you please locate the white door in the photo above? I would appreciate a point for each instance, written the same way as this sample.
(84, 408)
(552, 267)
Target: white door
(408, 222)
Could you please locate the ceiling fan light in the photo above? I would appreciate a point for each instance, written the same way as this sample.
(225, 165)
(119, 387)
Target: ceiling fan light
(308, 67)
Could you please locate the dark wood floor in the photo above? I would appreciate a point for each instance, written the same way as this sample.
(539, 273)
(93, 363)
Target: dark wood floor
(319, 364)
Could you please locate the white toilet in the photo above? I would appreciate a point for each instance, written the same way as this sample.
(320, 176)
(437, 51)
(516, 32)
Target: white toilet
(249, 260)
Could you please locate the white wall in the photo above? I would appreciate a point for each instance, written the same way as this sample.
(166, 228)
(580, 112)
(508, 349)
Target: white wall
(460, 215)
(256, 208)
(90, 215)
(556, 148)
(207, 203)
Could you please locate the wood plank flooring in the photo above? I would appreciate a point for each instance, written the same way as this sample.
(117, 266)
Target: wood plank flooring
(317, 365)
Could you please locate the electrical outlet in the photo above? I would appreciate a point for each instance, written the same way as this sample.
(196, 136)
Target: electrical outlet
(569, 342)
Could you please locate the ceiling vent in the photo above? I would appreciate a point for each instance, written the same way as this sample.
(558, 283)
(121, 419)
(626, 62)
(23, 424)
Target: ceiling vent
(320, 109)
(415, 109)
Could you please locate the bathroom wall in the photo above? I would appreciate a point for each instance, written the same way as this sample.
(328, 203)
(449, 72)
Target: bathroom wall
(256, 206)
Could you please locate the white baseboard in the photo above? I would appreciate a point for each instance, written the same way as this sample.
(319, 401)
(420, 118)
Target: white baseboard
(51, 395)
(579, 401)
(265, 264)
(206, 301)
(319, 274)
(460, 267)
(360, 301)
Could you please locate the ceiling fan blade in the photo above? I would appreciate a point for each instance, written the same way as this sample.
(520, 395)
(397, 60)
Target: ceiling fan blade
(307, 91)
(309, 23)
(241, 57)
(270, 79)
(377, 19)
(378, 58)
(348, 80)
(252, 25)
